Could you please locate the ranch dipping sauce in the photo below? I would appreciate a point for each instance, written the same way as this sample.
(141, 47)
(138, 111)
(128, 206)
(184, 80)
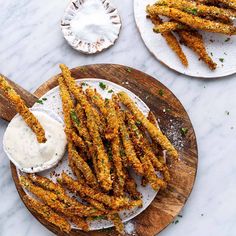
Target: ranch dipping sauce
(23, 149)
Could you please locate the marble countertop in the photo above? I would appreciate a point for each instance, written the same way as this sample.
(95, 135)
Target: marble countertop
(31, 48)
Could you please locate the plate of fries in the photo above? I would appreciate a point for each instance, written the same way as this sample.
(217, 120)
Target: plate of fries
(113, 169)
(195, 38)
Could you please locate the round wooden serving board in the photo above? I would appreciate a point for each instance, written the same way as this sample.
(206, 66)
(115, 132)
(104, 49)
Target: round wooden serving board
(172, 117)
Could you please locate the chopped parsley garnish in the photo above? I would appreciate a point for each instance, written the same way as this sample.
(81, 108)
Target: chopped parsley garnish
(84, 84)
(110, 91)
(129, 70)
(160, 92)
(40, 101)
(211, 54)
(192, 11)
(221, 60)
(177, 221)
(74, 117)
(138, 122)
(184, 131)
(83, 69)
(227, 113)
(98, 217)
(227, 40)
(44, 99)
(106, 99)
(180, 216)
(102, 85)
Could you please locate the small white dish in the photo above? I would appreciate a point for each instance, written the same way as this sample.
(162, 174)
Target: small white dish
(90, 26)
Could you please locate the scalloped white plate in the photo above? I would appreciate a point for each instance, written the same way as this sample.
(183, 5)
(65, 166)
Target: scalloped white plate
(215, 44)
(53, 103)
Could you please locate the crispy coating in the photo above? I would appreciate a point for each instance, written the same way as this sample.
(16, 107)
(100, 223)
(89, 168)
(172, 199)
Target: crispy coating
(168, 26)
(68, 108)
(119, 226)
(55, 198)
(48, 214)
(229, 3)
(154, 132)
(103, 165)
(23, 110)
(194, 40)
(82, 166)
(146, 152)
(127, 143)
(199, 9)
(192, 20)
(112, 202)
(170, 39)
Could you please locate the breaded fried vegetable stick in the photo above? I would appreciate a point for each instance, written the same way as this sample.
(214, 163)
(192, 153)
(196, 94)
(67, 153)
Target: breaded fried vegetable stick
(48, 214)
(68, 108)
(229, 3)
(154, 132)
(112, 202)
(194, 40)
(199, 9)
(82, 166)
(23, 110)
(57, 200)
(139, 142)
(170, 39)
(103, 165)
(191, 20)
(119, 226)
(128, 145)
(169, 26)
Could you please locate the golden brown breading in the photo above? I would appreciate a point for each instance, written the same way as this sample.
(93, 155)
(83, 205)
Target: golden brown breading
(154, 132)
(23, 110)
(194, 40)
(199, 9)
(48, 214)
(103, 165)
(169, 26)
(229, 3)
(112, 202)
(119, 226)
(170, 39)
(191, 20)
(82, 166)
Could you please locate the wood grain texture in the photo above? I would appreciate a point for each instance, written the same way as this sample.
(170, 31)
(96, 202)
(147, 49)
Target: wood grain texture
(7, 111)
(172, 117)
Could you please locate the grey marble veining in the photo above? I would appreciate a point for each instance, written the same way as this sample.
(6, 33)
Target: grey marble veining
(32, 46)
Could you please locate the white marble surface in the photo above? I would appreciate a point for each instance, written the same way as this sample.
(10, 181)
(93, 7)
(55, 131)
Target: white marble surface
(31, 48)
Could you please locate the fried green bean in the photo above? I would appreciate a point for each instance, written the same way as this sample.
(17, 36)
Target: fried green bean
(112, 202)
(192, 20)
(194, 40)
(199, 9)
(82, 166)
(169, 26)
(119, 226)
(154, 132)
(103, 165)
(170, 39)
(23, 110)
(48, 214)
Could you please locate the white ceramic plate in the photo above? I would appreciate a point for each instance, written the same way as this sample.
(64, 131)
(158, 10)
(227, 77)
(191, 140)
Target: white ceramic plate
(53, 103)
(215, 44)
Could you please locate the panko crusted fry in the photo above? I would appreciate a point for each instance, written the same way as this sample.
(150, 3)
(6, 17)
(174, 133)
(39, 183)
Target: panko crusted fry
(170, 39)
(103, 165)
(128, 145)
(154, 132)
(112, 202)
(82, 166)
(145, 154)
(169, 26)
(23, 110)
(68, 107)
(119, 226)
(53, 196)
(48, 214)
(199, 9)
(192, 20)
(194, 40)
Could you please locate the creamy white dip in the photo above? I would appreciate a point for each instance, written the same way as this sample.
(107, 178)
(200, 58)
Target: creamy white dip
(23, 149)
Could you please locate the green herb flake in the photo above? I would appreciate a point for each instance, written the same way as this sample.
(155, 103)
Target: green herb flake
(129, 69)
(211, 54)
(138, 122)
(184, 131)
(102, 85)
(227, 113)
(74, 117)
(98, 217)
(192, 11)
(176, 222)
(44, 99)
(221, 60)
(227, 40)
(180, 216)
(40, 102)
(84, 84)
(110, 91)
(106, 99)
(160, 92)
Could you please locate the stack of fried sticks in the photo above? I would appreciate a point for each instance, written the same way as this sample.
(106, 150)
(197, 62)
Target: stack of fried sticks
(104, 143)
(188, 16)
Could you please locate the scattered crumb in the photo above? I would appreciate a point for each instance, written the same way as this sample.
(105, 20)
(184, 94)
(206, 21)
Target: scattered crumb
(130, 228)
